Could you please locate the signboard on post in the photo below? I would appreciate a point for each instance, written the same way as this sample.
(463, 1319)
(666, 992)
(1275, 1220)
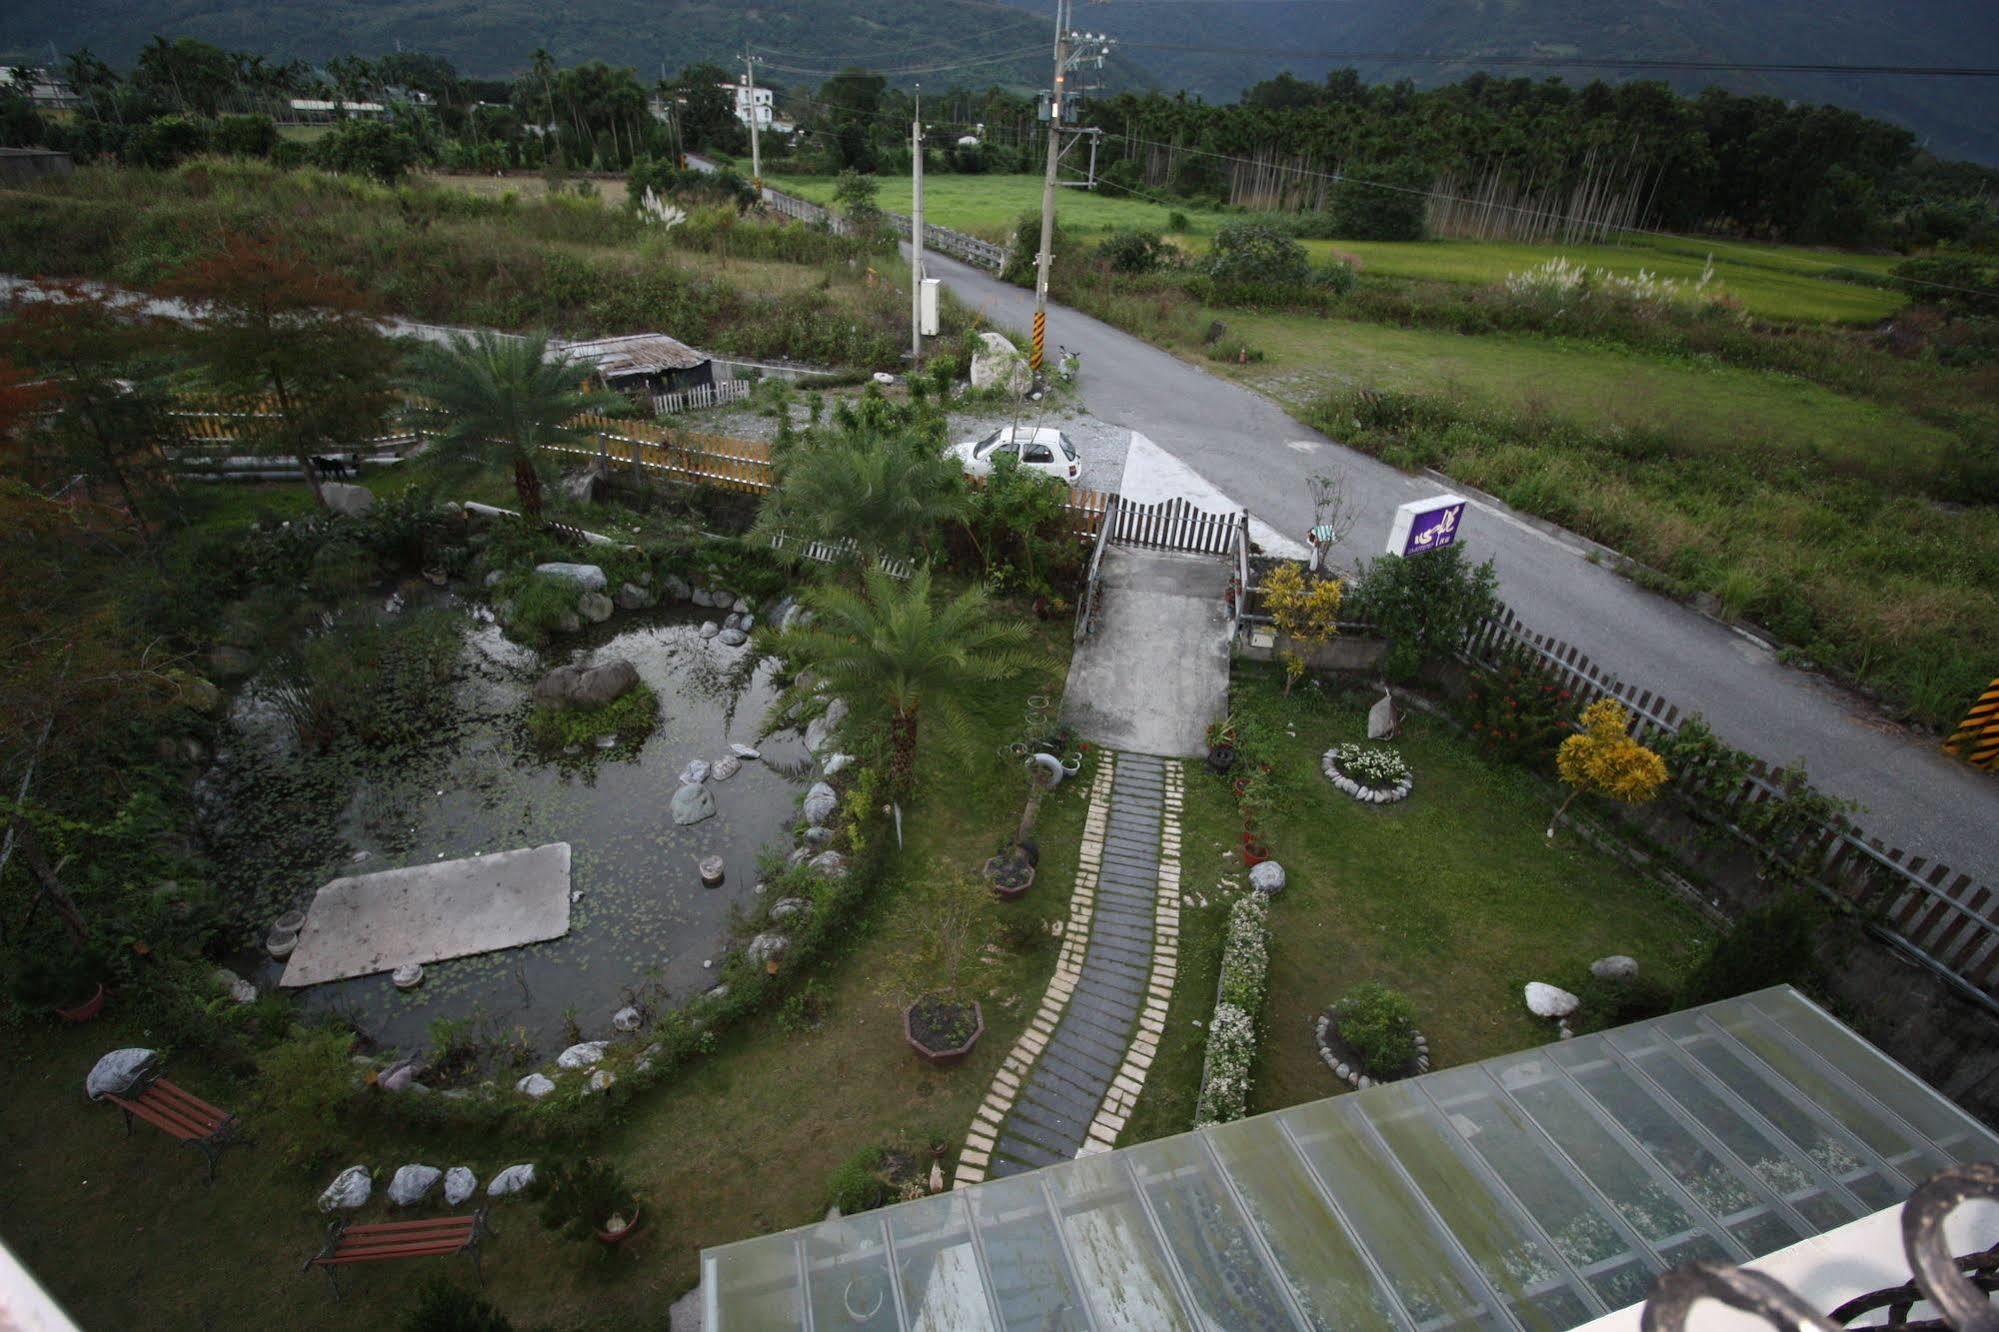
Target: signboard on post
(1426, 524)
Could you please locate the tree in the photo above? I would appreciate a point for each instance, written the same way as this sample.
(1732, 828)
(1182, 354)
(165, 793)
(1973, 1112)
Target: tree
(503, 394)
(1306, 613)
(854, 195)
(1251, 252)
(275, 328)
(378, 149)
(1602, 759)
(1425, 603)
(887, 648)
(1382, 202)
(851, 100)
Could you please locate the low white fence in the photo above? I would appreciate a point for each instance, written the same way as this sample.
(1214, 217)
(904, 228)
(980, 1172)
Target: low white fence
(705, 395)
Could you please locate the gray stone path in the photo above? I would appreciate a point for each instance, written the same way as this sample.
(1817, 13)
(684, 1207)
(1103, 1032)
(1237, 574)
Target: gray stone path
(1077, 1071)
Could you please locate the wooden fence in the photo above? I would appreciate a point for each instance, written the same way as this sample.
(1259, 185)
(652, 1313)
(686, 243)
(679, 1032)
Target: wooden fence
(1946, 920)
(1175, 524)
(704, 460)
(706, 395)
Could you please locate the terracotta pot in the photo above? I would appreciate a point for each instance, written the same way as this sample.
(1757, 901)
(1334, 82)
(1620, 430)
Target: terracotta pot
(86, 1010)
(1254, 853)
(614, 1238)
(944, 1058)
(1000, 890)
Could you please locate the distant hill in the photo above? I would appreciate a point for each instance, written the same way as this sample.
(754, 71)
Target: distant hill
(1956, 117)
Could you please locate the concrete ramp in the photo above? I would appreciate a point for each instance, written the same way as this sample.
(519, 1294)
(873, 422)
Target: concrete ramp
(426, 913)
(1156, 670)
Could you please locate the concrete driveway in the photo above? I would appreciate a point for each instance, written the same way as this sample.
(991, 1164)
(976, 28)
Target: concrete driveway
(1156, 671)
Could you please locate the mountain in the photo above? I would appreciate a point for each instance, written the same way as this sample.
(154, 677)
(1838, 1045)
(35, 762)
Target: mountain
(1212, 48)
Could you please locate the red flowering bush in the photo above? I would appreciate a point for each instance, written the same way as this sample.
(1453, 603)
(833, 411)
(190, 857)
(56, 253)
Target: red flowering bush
(1518, 711)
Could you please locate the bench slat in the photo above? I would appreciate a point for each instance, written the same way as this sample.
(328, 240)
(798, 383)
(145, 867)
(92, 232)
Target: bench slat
(173, 1097)
(409, 1251)
(378, 1236)
(161, 1119)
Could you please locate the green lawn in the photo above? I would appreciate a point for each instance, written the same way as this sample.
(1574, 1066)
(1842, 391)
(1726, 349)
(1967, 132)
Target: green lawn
(1774, 281)
(1454, 897)
(737, 1143)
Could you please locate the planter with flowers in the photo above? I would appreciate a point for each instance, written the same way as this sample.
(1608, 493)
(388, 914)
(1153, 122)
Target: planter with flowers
(1371, 774)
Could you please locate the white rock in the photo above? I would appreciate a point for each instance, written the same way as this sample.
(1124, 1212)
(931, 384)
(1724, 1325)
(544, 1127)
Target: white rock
(582, 1055)
(1615, 967)
(459, 1184)
(786, 907)
(998, 362)
(709, 629)
(765, 947)
(602, 1079)
(745, 752)
(535, 1086)
(595, 607)
(836, 712)
(350, 501)
(351, 1188)
(695, 773)
(587, 576)
(511, 1180)
(411, 1183)
(838, 763)
(691, 804)
(1267, 877)
(830, 863)
(820, 802)
(239, 989)
(627, 1018)
(1547, 1001)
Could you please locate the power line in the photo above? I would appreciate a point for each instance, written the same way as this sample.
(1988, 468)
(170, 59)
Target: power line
(909, 69)
(1581, 62)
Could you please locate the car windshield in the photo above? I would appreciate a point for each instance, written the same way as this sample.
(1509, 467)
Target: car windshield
(980, 449)
(1068, 449)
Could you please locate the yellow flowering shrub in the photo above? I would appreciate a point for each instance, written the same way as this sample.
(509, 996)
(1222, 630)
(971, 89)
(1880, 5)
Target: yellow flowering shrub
(1604, 760)
(1306, 613)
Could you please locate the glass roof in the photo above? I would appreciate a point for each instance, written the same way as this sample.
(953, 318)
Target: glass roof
(1534, 1190)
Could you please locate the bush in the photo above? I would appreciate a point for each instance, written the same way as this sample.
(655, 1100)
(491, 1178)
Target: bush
(1381, 202)
(1379, 1025)
(1772, 945)
(578, 1197)
(305, 1085)
(1617, 1003)
(856, 1184)
(374, 148)
(1518, 711)
(1134, 252)
(1225, 1073)
(1252, 252)
(246, 136)
(167, 141)
(445, 1307)
(1425, 603)
(631, 718)
(1336, 278)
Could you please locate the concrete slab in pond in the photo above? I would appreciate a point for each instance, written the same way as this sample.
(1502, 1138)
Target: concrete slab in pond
(426, 913)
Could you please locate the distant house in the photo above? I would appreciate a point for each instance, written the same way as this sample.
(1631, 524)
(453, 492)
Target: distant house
(314, 110)
(642, 365)
(45, 91)
(753, 105)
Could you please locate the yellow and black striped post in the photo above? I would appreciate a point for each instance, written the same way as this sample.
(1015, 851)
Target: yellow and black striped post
(1040, 337)
(1976, 738)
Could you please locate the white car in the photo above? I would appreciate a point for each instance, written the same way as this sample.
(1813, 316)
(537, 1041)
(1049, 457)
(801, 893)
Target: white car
(1042, 449)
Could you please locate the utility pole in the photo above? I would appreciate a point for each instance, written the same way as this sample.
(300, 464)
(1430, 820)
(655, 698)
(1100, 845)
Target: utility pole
(916, 233)
(1044, 258)
(750, 96)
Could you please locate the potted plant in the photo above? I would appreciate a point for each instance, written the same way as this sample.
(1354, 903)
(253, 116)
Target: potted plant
(1221, 745)
(68, 982)
(588, 1199)
(947, 919)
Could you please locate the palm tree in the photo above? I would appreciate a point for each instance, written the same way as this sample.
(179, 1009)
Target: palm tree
(887, 647)
(884, 495)
(503, 393)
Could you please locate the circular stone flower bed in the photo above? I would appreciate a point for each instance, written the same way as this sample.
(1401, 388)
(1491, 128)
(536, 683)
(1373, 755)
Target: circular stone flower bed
(1371, 775)
(1340, 1058)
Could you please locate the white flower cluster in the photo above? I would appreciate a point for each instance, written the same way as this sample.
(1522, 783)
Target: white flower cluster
(1379, 768)
(1560, 280)
(1225, 1079)
(652, 208)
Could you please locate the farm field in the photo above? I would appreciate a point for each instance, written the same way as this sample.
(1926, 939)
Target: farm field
(1774, 281)
(523, 184)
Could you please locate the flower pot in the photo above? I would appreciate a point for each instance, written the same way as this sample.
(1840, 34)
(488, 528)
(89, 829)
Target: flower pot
(86, 1010)
(1221, 757)
(1015, 868)
(613, 1238)
(1254, 852)
(940, 1055)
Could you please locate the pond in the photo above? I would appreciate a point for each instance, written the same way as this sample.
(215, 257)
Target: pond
(283, 823)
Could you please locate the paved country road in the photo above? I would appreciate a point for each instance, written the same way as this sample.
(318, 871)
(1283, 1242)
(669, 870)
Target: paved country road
(1250, 449)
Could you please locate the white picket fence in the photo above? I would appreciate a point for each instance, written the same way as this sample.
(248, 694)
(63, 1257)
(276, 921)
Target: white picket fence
(705, 395)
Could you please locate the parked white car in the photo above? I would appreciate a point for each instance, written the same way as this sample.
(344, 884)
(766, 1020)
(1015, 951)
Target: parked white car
(1042, 449)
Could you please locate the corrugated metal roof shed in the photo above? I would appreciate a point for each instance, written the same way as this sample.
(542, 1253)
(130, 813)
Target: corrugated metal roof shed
(635, 354)
(1536, 1190)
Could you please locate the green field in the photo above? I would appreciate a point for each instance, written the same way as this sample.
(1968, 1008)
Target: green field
(1774, 281)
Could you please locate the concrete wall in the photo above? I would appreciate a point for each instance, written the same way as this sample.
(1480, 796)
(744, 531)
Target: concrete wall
(24, 166)
(1346, 653)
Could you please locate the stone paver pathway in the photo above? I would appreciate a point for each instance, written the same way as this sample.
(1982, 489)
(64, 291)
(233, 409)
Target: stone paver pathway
(1072, 1078)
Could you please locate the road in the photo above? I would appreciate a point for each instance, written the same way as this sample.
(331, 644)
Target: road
(1249, 448)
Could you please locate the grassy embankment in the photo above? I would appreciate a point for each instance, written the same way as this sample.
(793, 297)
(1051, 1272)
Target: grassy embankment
(1455, 897)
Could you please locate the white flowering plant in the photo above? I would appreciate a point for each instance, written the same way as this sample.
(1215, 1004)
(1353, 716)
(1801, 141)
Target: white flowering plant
(1562, 281)
(1376, 768)
(1225, 1075)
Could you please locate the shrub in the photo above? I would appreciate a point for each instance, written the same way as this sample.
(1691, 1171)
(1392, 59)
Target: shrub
(1134, 252)
(167, 141)
(856, 1184)
(1379, 1025)
(1602, 759)
(1517, 711)
(579, 1197)
(1225, 1073)
(305, 1084)
(540, 605)
(1252, 252)
(246, 136)
(374, 148)
(1617, 1003)
(1336, 278)
(1775, 944)
(445, 1307)
(631, 717)
(1425, 603)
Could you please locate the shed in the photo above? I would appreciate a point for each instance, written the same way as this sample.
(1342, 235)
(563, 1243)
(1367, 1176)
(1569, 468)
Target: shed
(643, 365)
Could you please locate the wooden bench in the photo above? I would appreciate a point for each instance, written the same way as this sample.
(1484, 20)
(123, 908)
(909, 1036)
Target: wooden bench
(437, 1237)
(182, 1116)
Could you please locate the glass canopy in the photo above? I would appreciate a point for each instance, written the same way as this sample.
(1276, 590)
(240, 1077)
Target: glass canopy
(1535, 1190)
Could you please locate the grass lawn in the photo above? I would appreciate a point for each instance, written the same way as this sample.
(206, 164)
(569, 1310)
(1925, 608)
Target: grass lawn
(523, 184)
(1774, 281)
(736, 1143)
(1454, 897)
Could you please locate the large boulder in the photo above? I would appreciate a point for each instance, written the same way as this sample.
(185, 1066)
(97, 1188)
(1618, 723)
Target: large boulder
(511, 1180)
(411, 1183)
(582, 1055)
(459, 1184)
(998, 362)
(587, 486)
(589, 577)
(120, 1073)
(765, 948)
(732, 638)
(535, 1086)
(820, 802)
(350, 1189)
(1548, 1001)
(631, 597)
(1267, 877)
(347, 500)
(595, 607)
(1616, 967)
(691, 804)
(586, 686)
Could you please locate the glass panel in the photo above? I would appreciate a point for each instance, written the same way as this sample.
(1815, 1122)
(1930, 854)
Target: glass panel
(1830, 1150)
(1647, 1204)
(1031, 1281)
(1204, 1229)
(1119, 1261)
(755, 1283)
(847, 1276)
(1925, 1111)
(1387, 1220)
(1582, 1230)
(937, 1267)
(1328, 1278)
(1776, 1163)
(1707, 1178)
(1517, 1264)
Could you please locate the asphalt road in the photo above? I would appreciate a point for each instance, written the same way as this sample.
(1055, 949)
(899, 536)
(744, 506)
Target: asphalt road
(1246, 446)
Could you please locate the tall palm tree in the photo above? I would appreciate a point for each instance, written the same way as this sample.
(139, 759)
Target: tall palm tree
(883, 495)
(501, 394)
(888, 648)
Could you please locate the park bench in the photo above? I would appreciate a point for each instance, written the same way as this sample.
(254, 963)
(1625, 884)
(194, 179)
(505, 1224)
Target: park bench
(437, 1237)
(182, 1116)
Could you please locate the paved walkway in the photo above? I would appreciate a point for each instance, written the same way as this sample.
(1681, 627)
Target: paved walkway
(1156, 670)
(1071, 1080)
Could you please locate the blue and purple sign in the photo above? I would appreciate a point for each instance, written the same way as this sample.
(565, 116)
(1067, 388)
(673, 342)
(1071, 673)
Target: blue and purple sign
(1426, 524)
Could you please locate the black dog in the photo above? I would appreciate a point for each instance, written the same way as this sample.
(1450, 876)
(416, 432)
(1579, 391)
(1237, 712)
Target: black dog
(333, 467)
